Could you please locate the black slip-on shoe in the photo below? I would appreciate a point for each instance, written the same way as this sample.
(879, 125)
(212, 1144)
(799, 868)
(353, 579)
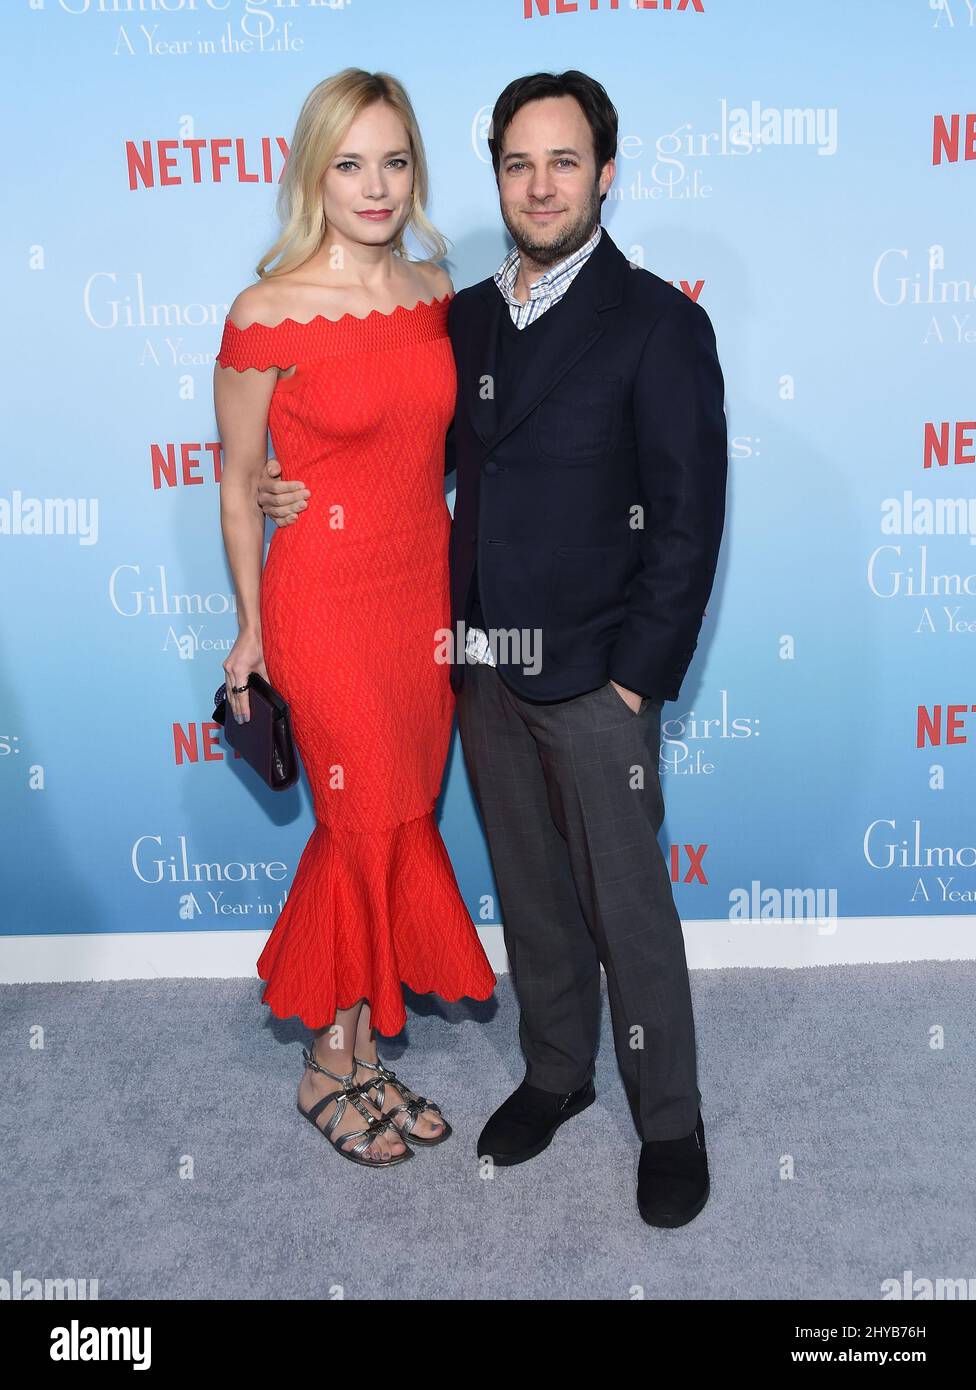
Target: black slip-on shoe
(672, 1178)
(524, 1125)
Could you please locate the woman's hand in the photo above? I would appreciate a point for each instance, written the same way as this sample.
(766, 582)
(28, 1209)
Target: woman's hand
(245, 656)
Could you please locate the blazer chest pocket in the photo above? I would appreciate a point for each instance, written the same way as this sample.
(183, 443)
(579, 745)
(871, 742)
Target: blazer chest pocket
(579, 420)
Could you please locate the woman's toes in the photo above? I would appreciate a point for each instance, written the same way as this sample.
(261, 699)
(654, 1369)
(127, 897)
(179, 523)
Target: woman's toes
(391, 1146)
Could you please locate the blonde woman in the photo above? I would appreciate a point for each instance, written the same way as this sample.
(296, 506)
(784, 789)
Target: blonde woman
(341, 349)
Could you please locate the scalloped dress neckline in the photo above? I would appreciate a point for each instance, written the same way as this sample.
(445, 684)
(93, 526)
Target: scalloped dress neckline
(436, 302)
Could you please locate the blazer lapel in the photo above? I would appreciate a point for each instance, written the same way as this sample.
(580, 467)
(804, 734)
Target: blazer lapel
(596, 286)
(484, 340)
(579, 330)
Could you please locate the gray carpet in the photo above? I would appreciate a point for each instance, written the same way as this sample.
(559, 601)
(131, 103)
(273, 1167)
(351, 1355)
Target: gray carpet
(831, 1066)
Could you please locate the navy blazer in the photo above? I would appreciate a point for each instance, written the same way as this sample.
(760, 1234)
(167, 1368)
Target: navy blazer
(595, 502)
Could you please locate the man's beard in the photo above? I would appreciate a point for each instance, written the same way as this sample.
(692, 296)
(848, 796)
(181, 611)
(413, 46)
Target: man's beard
(570, 239)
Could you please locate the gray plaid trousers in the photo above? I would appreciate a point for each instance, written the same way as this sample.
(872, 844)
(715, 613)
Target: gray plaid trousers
(582, 880)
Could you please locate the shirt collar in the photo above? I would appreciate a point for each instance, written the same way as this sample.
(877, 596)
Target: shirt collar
(508, 270)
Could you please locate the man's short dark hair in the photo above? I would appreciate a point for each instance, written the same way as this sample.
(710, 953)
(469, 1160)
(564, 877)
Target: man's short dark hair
(599, 110)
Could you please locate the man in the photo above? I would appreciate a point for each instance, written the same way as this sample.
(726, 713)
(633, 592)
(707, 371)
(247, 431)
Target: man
(590, 445)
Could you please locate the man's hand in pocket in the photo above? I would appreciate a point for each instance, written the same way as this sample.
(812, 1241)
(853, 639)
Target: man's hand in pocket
(629, 697)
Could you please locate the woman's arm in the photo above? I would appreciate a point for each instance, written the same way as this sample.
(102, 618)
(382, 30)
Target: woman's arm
(241, 402)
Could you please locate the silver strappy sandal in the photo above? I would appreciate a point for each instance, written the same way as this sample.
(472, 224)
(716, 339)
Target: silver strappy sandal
(413, 1109)
(352, 1095)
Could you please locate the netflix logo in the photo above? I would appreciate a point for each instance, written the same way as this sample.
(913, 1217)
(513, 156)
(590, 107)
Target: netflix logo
(194, 743)
(181, 465)
(169, 163)
(694, 872)
(534, 9)
(949, 442)
(946, 138)
(941, 725)
(691, 288)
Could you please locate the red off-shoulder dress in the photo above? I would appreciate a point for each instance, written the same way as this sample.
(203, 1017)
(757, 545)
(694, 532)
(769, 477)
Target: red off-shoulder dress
(354, 607)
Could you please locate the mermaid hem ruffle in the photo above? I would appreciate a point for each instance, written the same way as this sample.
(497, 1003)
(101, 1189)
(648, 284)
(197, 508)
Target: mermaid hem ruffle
(366, 914)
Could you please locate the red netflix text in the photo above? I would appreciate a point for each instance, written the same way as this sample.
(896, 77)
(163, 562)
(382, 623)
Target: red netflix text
(946, 138)
(695, 872)
(180, 465)
(948, 442)
(170, 163)
(196, 743)
(929, 726)
(534, 9)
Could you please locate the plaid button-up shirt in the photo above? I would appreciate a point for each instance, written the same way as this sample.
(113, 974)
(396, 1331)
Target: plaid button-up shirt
(550, 286)
(543, 294)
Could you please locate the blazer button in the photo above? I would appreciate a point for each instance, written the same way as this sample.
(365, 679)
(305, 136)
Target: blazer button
(491, 466)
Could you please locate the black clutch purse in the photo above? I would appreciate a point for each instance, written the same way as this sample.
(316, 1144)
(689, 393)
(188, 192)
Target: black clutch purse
(265, 739)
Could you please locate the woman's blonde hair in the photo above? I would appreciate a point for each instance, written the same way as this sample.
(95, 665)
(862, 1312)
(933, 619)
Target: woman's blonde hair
(326, 115)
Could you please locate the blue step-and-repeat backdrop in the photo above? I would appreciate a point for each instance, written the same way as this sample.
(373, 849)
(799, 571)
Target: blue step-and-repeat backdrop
(806, 172)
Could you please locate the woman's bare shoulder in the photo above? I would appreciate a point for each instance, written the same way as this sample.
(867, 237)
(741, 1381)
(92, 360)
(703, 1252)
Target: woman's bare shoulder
(438, 280)
(258, 303)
